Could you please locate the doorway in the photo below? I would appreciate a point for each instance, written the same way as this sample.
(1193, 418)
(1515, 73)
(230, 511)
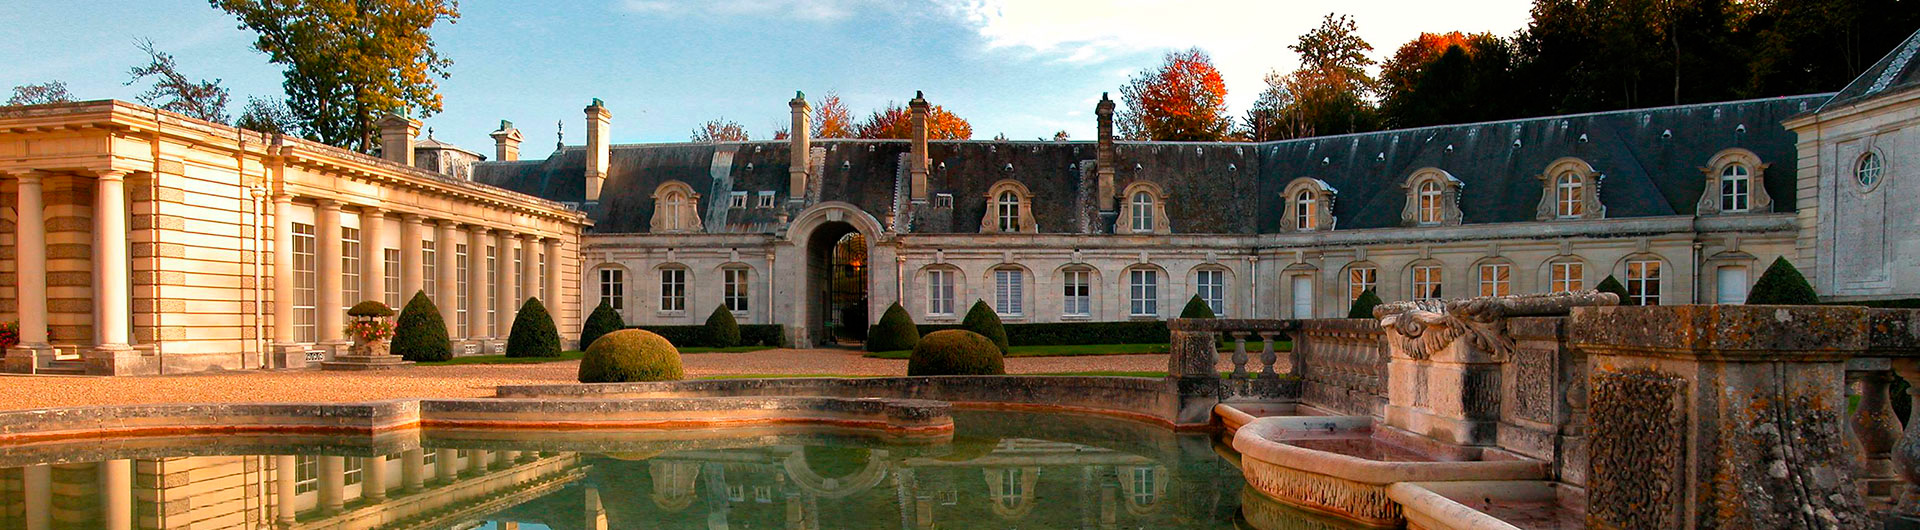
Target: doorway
(837, 266)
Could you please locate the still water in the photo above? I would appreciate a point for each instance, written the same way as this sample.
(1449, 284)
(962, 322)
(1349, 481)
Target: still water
(999, 470)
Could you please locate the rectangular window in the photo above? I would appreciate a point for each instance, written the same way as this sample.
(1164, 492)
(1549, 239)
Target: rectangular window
(1496, 279)
(613, 288)
(1567, 277)
(1359, 280)
(306, 474)
(1143, 293)
(1302, 296)
(542, 287)
(350, 266)
(351, 468)
(428, 269)
(1426, 282)
(673, 289)
(429, 456)
(1078, 294)
(306, 292)
(735, 289)
(766, 199)
(737, 199)
(493, 295)
(519, 275)
(940, 292)
(390, 262)
(1730, 285)
(943, 200)
(1643, 282)
(1211, 285)
(460, 273)
(1009, 292)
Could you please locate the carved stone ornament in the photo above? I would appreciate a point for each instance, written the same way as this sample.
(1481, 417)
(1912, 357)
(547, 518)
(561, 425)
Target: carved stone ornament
(1423, 327)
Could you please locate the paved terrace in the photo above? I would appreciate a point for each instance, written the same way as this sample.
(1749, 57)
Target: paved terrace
(477, 380)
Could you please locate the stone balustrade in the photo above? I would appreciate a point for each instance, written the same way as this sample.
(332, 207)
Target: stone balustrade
(1342, 364)
(1193, 364)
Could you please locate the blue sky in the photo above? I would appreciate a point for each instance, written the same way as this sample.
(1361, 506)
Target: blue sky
(1023, 68)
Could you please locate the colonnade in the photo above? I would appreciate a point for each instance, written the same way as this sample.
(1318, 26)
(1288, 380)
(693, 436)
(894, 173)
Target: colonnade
(112, 350)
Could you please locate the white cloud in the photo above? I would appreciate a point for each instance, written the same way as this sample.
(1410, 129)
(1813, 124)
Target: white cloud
(1247, 38)
(811, 10)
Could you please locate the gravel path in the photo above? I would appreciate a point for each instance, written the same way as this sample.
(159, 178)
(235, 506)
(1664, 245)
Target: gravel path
(19, 392)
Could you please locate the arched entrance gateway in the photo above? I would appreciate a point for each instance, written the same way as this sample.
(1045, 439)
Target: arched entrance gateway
(833, 302)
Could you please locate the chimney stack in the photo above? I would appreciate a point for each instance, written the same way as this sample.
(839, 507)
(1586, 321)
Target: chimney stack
(597, 122)
(506, 142)
(799, 147)
(396, 138)
(919, 169)
(1103, 159)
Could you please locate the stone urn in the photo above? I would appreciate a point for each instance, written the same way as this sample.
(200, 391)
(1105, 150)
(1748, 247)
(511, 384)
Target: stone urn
(371, 328)
(365, 346)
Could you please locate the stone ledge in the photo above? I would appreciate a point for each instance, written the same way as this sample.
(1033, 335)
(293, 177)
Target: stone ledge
(1724, 332)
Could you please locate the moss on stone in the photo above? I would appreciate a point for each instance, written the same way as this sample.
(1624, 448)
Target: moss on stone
(630, 355)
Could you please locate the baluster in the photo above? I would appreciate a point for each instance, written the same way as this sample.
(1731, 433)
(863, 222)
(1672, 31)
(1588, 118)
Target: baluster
(1874, 425)
(1267, 358)
(1906, 453)
(1239, 353)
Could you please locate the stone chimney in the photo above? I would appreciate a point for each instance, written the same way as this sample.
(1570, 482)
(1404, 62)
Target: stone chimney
(1103, 159)
(506, 142)
(396, 138)
(919, 170)
(597, 122)
(799, 145)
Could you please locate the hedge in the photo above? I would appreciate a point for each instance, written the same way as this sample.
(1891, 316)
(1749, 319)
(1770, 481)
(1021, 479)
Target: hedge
(1072, 333)
(695, 336)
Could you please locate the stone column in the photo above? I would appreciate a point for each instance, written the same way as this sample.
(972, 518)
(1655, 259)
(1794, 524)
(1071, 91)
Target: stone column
(553, 292)
(373, 485)
(331, 310)
(412, 467)
(333, 483)
(478, 325)
(30, 267)
(116, 494)
(413, 229)
(113, 354)
(444, 469)
(477, 462)
(37, 487)
(447, 284)
(596, 514)
(373, 255)
(284, 477)
(529, 271)
(503, 289)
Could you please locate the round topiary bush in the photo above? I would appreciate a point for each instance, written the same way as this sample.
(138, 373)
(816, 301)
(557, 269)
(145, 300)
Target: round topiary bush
(604, 320)
(1196, 308)
(1782, 284)
(722, 330)
(631, 355)
(981, 319)
(895, 331)
(956, 352)
(370, 309)
(420, 335)
(533, 333)
(1363, 306)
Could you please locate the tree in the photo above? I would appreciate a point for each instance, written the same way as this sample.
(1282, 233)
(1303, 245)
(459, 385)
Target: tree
(40, 94)
(1441, 78)
(349, 63)
(896, 122)
(420, 334)
(1184, 99)
(1807, 46)
(1273, 116)
(1061, 136)
(604, 320)
(1782, 284)
(832, 119)
(270, 116)
(533, 333)
(204, 100)
(1331, 91)
(720, 130)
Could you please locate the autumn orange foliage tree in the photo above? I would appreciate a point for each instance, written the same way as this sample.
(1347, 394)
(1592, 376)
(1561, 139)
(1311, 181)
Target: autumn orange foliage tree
(831, 119)
(896, 122)
(1184, 99)
(720, 130)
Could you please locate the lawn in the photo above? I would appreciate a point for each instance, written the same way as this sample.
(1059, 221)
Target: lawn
(732, 349)
(573, 355)
(1053, 351)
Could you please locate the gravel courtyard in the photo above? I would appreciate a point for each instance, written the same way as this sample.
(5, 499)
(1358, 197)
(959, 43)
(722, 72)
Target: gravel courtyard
(19, 392)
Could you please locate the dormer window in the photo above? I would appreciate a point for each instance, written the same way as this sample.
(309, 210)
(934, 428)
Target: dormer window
(766, 199)
(1571, 190)
(1735, 185)
(1433, 198)
(1142, 211)
(1429, 203)
(943, 200)
(675, 208)
(1309, 205)
(1009, 209)
(737, 199)
(1303, 210)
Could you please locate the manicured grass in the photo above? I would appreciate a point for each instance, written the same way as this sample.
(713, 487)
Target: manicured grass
(1109, 373)
(1053, 351)
(572, 355)
(734, 349)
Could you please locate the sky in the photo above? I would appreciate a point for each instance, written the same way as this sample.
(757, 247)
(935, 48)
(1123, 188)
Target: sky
(1022, 68)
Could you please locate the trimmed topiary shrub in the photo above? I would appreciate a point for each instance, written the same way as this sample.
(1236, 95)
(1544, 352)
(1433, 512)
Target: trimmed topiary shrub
(533, 333)
(630, 355)
(894, 332)
(981, 319)
(1363, 306)
(1611, 285)
(604, 320)
(956, 352)
(1196, 308)
(420, 335)
(722, 330)
(370, 309)
(1782, 284)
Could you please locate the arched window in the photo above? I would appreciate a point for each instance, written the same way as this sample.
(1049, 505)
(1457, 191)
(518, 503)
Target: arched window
(1008, 206)
(1735, 188)
(1433, 198)
(1867, 171)
(1303, 210)
(1570, 192)
(1142, 211)
(676, 208)
(1309, 205)
(1429, 203)
(1009, 209)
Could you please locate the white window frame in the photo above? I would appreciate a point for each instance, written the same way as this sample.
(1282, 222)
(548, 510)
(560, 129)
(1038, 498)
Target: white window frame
(306, 474)
(390, 266)
(350, 267)
(1566, 276)
(673, 289)
(493, 295)
(1868, 169)
(1499, 283)
(736, 289)
(352, 469)
(737, 200)
(1143, 293)
(1303, 214)
(1077, 293)
(613, 288)
(1643, 288)
(306, 289)
(1360, 279)
(943, 200)
(1428, 281)
(1429, 202)
(1009, 292)
(1736, 188)
(1143, 479)
(1008, 208)
(461, 277)
(940, 292)
(429, 270)
(1211, 285)
(1143, 211)
(1570, 195)
(766, 199)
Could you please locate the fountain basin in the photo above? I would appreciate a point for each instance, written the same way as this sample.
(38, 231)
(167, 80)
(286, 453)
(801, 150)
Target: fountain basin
(1489, 505)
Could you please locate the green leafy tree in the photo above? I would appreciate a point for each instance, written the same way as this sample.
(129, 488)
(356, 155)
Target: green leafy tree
(1183, 99)
(350, 62)
(173, 91)
(266, 115)
(720, 130)
(722, 330)
(896, 331)
(40, 94)
(1363, 306)
(420, 335)
(1331, 92)
(1196, 308)
(533, 334)
(981, 319)
(1443, 78)
(602, 321)
(1782, 284)
(1611, 285)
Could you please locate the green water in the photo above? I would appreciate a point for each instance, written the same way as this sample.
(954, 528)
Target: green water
(999, 470)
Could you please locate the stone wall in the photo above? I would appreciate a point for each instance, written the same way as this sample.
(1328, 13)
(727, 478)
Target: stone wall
(1343, 365)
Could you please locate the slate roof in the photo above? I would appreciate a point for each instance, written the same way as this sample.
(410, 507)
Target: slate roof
(1651, 159)
(1895, 72)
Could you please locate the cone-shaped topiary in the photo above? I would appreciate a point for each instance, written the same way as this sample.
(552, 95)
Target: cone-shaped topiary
(895, 331)
(533, 333)
(1611, 285)
(722, 330)
(956, 352)
(1196, 308)
(630, 355)
(604, 320)
(1782, 285)
(981, 319)
(1363, 306)
(420, 335)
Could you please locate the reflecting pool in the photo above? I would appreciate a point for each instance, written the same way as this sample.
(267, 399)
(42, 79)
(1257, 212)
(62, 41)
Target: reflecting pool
(997, 470)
